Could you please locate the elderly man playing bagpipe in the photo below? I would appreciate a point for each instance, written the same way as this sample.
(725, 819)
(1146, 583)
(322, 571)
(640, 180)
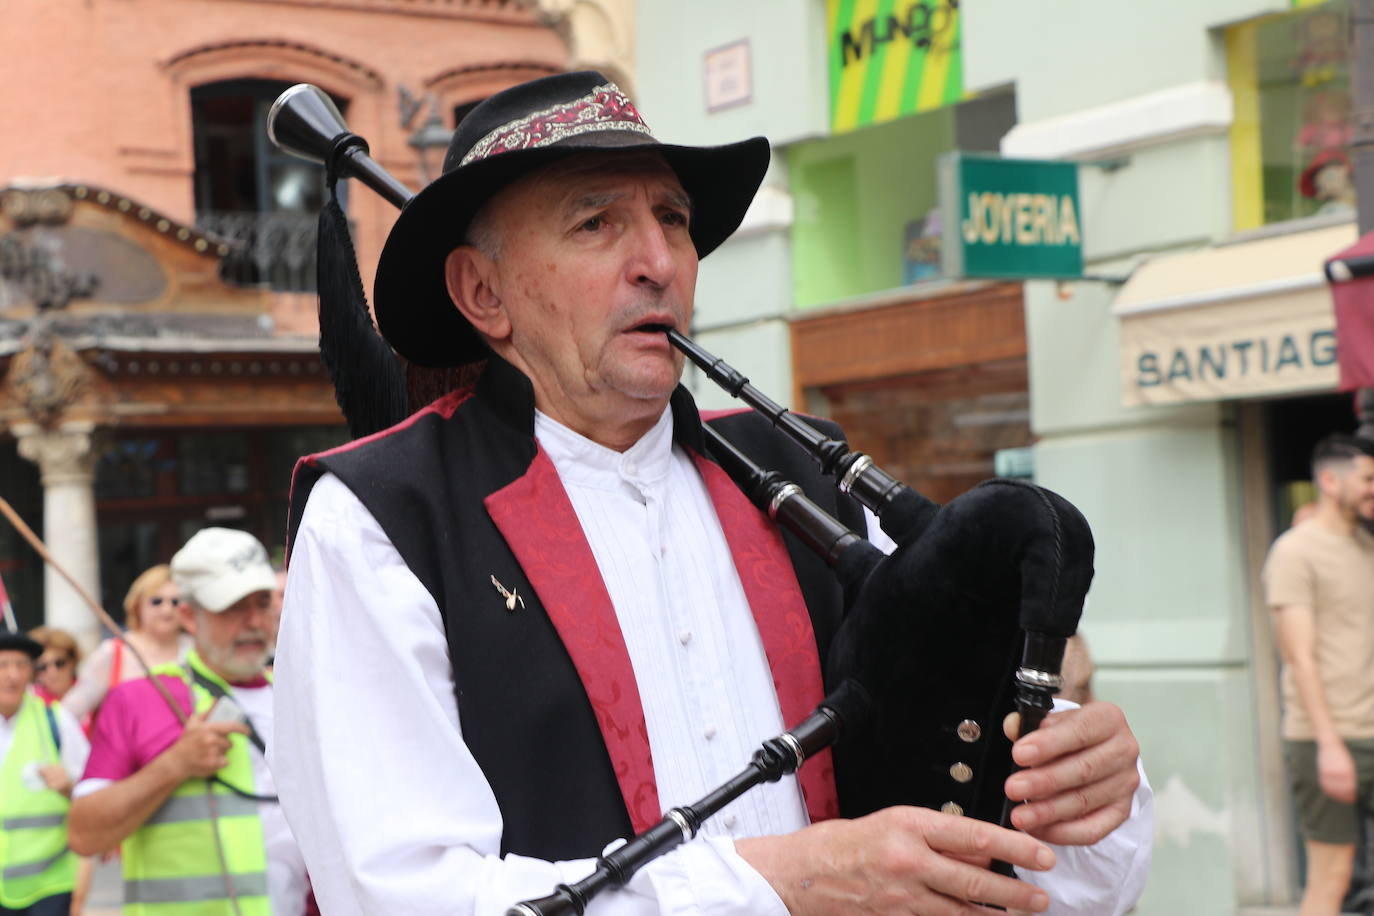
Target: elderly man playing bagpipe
(525, 621)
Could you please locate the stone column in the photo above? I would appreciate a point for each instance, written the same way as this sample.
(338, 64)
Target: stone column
(66, 460)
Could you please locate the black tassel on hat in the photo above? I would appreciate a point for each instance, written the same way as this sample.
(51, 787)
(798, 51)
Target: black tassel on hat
(369, 383)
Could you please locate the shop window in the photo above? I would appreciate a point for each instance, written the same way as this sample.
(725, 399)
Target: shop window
(264, 200)
(190, 478)
(127, 469)
(212, 463)
(867, 208)
(1290, 140)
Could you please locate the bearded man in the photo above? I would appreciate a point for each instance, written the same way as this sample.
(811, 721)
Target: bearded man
(177, 776)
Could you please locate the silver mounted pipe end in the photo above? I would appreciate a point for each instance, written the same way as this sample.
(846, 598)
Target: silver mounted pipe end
(783, 495)
(856, 469)
(1033, 677)
(677, 817)
(794, 746)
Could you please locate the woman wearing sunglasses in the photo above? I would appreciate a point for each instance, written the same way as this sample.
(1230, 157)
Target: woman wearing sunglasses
(154, 629)
(55, 671)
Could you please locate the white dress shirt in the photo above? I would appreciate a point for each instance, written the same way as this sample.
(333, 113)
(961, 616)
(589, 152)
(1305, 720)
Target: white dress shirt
(391, 810)
(73, 753)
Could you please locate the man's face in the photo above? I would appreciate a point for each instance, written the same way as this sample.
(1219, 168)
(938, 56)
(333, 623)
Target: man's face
(16, 671)
(234, 642)
(1352, 487)
(594, 259)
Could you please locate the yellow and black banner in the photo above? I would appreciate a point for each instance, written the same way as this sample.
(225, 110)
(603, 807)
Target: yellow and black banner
(890, 58)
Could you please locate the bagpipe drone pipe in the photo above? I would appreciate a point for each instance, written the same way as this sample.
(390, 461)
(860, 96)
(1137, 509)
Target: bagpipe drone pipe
(963, 623)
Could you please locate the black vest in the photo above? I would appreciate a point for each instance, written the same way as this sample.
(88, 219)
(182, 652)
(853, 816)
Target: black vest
(525, 715)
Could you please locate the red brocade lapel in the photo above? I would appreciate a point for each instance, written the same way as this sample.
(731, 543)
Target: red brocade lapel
(784, 625)
(537, 521)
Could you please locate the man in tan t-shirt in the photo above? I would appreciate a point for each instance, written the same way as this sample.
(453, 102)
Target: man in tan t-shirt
(1319, 582)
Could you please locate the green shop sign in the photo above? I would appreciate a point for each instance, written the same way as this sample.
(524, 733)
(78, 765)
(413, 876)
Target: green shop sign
(1009, 218)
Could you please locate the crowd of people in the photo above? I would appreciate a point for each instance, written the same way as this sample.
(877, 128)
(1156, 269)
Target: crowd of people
(155, 754)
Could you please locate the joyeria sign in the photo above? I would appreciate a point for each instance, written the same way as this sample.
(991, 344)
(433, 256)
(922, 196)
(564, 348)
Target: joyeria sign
(1009, 218)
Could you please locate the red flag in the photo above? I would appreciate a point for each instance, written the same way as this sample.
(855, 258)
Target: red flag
(1351, 273)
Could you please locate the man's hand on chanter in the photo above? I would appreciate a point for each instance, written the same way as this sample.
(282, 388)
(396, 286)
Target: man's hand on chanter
(898, 860)
(1080, 774)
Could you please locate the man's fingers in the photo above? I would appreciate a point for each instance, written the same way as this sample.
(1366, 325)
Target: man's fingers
(1341, 791)
(1072, 730)
(1077, 802)
(1082, 767)
(980, 861)
(969, 837)
(964, 882)
(228, 728)
(1085, 831)
(1011, 726)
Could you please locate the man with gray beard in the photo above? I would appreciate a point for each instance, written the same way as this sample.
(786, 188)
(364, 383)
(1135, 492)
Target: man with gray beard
(177, 776)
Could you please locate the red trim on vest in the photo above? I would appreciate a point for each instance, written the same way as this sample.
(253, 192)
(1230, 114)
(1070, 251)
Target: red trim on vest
(444, 407)
(726, 412)
(784, 624)
(537, 520)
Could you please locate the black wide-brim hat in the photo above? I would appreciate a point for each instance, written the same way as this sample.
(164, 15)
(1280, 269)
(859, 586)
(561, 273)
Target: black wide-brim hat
(505, 138)
(19, 642)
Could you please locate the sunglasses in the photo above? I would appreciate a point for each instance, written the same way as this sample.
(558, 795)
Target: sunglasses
(56, 664)
(156, 601)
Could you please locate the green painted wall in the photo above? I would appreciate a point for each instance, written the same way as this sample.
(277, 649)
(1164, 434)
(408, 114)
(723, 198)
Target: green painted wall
(787, 46)
(854, 196)
(1068, 55)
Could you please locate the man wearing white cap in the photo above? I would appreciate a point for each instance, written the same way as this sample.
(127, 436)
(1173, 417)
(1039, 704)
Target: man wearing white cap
(186, 792)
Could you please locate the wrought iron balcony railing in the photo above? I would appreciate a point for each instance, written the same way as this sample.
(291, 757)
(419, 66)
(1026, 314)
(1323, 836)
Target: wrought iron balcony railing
(269, 249)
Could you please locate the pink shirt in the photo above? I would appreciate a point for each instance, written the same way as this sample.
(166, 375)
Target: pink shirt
(133, 726)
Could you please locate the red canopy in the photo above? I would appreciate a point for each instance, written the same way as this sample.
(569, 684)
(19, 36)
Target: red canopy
(1351, 274)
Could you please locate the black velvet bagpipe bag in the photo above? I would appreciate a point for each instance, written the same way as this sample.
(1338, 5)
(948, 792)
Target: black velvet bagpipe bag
(935, 636)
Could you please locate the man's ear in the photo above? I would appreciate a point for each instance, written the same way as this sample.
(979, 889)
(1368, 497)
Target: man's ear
(471, 277)
(188, 617)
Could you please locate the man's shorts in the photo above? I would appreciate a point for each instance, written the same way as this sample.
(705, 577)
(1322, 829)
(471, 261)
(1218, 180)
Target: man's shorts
(1324, 819)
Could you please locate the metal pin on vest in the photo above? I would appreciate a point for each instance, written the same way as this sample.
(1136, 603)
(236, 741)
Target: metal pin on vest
(512, 597)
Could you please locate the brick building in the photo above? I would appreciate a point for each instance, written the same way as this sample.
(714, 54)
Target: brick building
(158, 352)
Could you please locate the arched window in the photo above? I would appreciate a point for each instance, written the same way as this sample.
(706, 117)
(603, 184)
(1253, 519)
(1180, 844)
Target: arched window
(249, 191)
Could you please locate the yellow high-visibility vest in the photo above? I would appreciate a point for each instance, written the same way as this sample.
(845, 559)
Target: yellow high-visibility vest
(172, 862)
(34, 859)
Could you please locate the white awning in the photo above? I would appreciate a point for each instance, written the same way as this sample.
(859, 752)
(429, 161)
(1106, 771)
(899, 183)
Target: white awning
(1247, 319)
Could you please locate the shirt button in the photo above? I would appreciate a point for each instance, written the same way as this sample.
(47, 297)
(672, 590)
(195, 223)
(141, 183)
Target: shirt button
(730, 821)
(684, 637)
(631, 469)
(709, 732)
